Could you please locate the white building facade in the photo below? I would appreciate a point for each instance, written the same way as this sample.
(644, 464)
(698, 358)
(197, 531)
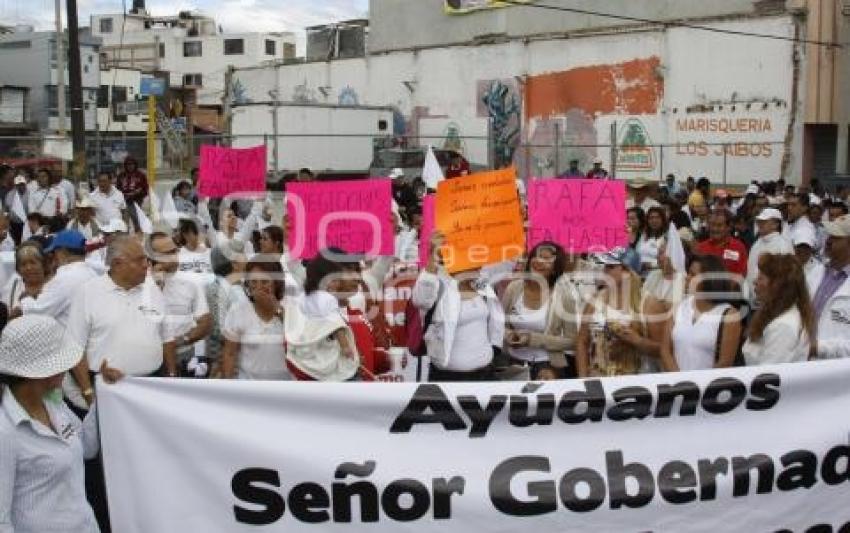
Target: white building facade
(189, 46)
(672, 99)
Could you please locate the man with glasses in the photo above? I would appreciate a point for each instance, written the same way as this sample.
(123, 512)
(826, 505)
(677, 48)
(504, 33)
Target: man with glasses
(188, 313)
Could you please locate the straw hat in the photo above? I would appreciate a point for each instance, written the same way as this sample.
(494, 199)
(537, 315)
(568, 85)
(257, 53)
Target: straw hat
(36, 346)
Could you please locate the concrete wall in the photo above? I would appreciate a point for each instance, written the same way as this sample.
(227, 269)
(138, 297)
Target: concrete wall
(678, 86)
(401, 24)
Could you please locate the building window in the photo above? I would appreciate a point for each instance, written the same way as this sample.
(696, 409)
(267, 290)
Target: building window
(234, 47)
(19, 44)
(103, 97)
(119, 95)
(270, 47)
(192, 80)
(161, 50)
(106, 25)
(192, 49)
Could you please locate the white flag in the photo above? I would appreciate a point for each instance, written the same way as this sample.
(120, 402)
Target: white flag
(432, 174)
(675, 250)
(169, 211)
(145, 224)
(206, 220)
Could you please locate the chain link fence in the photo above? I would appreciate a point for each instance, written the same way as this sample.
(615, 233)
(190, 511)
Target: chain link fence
(359, 155)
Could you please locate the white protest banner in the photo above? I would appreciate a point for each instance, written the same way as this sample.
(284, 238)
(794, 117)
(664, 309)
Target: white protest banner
(757, 449)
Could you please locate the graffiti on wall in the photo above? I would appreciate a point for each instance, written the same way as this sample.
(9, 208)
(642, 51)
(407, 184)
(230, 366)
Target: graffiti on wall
(500, 101)
(574, 99)
(452, 139)
(303, 94)
(239, 92)
(348, 96)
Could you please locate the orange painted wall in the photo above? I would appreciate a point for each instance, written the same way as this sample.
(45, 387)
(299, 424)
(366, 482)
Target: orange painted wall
(631, 88)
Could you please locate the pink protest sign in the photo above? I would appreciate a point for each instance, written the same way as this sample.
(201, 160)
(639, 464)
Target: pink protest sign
(580, 215)
(226, 171)
(428, 209)
(355, 216)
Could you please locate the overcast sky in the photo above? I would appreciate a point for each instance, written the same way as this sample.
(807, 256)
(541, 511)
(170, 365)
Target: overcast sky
(232, 15)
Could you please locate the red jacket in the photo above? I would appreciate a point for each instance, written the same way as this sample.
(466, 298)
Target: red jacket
(732, 252)
(134, 185)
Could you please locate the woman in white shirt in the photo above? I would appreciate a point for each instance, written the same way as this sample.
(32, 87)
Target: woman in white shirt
(31, 268)
(253, 329)
(705, 331)
(229, 232)
(665, 284)
(42, 442)
(542, 312)
(651, 239)
(781, 330)
(194, 256)
(468, 321)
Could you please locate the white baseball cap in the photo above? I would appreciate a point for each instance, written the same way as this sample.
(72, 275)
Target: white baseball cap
(36, 347)
(20, 180)
(840, 227)
(804, 235)
(769, 214)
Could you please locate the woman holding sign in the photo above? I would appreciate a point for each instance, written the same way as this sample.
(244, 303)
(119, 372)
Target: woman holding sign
(467, 320)
(542, 311)
(617, 335)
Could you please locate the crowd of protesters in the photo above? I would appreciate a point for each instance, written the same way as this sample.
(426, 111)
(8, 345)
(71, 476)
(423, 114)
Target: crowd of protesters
(707, 279)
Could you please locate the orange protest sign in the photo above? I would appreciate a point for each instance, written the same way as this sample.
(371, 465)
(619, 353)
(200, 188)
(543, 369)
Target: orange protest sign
(481, 220)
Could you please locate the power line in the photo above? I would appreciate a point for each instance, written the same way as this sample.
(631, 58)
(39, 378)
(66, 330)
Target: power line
(675, 24)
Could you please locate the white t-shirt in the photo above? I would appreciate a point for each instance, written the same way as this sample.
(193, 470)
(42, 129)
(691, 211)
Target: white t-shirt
(647, 248)
(127, 327)
(222, 240)
(185, 303)
(695, 342)
(261, 352)
(319, 304)
(471, 349)
(108, 206)
(522, 318)
(198, 262)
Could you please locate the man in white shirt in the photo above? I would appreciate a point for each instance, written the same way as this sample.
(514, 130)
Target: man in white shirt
(829, 286)
(83, 220)
(108, 201)
(120, 318)
(770, 241)
(798, 215)
(187, 311)
(46, 199)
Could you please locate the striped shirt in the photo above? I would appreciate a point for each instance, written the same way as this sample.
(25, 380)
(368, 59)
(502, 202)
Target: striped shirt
(42, 477)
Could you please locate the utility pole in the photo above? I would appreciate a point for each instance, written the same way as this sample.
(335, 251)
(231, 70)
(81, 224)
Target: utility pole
(75, 79)
(60, 70)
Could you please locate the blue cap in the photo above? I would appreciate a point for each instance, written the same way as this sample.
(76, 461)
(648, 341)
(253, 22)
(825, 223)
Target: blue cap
(68, 239)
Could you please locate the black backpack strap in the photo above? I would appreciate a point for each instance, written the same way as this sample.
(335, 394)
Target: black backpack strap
(429, 316)
(719, 342)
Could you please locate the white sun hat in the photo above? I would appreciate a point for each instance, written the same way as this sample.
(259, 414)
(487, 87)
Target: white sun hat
(35, 347)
